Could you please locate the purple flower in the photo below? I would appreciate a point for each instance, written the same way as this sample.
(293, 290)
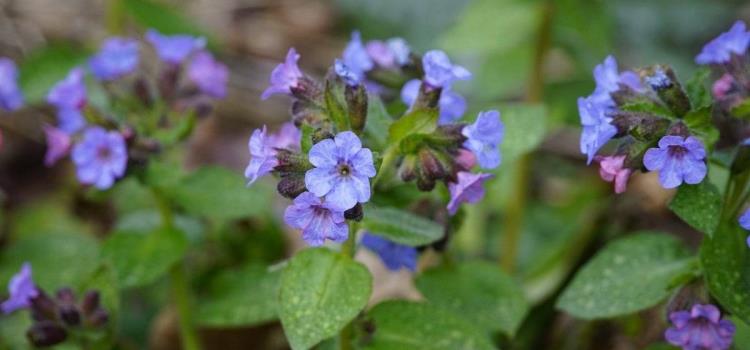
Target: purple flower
(608, 78)
(209, 74)
(318, 219)
(381, 54)
(69, 93)
(342, 70)
(11, 97)
(468, 189)
(677, 159)
(723, 86)
(288, 137)
(452, 105)
(439, 71)
(400, 50)
(700, 328)
(285, 76)
(117, 57)
(483, 138)
(355, 57)
(720, 50)
(597, 129)
(100, 157)
(394, 255)
(174, 49)
(745, 223)
(70, 120)
(342, 171)
(21, 289)
(58, 145)
(262, 156)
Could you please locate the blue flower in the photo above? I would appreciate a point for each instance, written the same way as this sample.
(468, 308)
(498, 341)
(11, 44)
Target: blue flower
(700, 328)
(100, 157)
(58, 145)
(468, 189)
(117, 57)
(452, 105)
(342, 171)
(174, 49)
(285, 76)
(342, 70)
(11, 97)
(262, 156)
(390, 54)
(400, 49)
(677, 159)
(21, 289)
(69, 96)
(608, 78)
(394, 255)
(745, 223)
(483, 138)
(439, 71)
(355, 57)
(596, 123)
(209, 75)
(318, 219)
(720, 50)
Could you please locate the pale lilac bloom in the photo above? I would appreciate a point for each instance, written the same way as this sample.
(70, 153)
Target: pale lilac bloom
(69, 93)
(677, 159)
(393, 255)
(21, 289)
(468, 189)
(318, 219)
(612, 169)
(70, 120)
(262, 156)
(11, 97)
(452, 105)
(465, 159)
(596, 125)
(116, 58)
(285, 76)
(483, 138)
(344, 72)
(701, 328)
(100, 157)
(342, 168)
(381, 54)
(209, 75)
(608, 78)
(721, 49)
(400, 50)
(723, 86)
(439, 71)
(355, 57)
(174, 49)
(288, 137)
(58, 145)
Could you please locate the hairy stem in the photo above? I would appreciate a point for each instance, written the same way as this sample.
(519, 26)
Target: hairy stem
(180, 288)
(516, 206)
(346, 336)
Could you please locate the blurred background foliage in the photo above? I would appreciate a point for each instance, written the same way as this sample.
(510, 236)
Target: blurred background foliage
(566, 212)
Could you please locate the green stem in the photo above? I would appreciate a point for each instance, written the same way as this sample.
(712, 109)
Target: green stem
(389, 157)
(115, 16)
(180, 288)
(516, 206)
(348, 249)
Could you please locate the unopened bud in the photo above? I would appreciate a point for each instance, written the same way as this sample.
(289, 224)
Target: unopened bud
(428, 97)
(356, 101)
(663, 80)
(308, 90)
(356, 213)
(291, 162)
(408, 169)
(98, 318)
(46, 333)
(307, 113)
(291, 185)
(43, 307)
(91, 302)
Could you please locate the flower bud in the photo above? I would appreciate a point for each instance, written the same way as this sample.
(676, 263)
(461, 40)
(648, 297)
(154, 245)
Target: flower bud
(428, 97)
(291, 162)
(465, 159)
(308, 90)
(91, 301)
(408, 169)
(46, 333)
(356, 213)
(98, 318)
(43, 307)
(291, 185)
(307, 113)
(663, 80)
(356, 101)
(142, 92)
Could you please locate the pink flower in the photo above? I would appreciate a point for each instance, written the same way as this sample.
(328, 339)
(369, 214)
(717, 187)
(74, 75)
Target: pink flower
(722, 86)
(611, 169)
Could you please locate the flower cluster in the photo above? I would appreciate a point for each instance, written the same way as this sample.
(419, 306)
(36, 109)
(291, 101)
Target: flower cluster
(101, 140)
(328, 161)
(700, 328)
(54, 318)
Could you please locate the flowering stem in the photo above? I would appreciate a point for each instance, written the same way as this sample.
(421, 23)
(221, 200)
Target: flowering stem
(517, 201)
(348, 249)
(178, 281)
(389, 157)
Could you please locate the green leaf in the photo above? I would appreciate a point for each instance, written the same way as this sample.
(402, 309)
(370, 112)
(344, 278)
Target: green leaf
(726, 265)
(414, 326)
(141, 257)
(336, 111)
(699, 122)
(401, 226)
(61, 259)
(321, 291)
(525, 125)
(478, 291)
(696, 88)
(241, 297)
(419, 121)
(378, 121)
(698, 205)
(307, 134)
(648, 106)
(45, 67)
(742, 110)
(219, 193)
(165, 19)
(630, 274)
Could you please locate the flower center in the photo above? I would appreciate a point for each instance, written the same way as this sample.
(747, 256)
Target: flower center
(103, 153)
(344, 169)
(677, 151)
